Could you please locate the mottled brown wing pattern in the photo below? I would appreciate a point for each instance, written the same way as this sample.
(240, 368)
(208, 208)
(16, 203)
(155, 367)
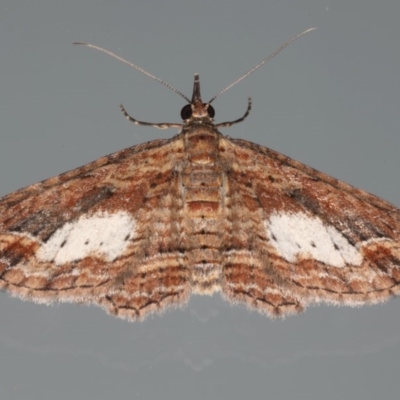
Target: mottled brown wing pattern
(304, 237)
(142, 229)
(132, 189)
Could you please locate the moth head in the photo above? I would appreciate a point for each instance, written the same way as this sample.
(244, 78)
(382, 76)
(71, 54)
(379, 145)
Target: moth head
(196, 108)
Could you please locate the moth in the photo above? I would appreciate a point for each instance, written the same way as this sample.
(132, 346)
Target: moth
(142, 229)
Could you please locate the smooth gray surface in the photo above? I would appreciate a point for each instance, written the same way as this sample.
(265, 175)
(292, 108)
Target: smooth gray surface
(330, 100)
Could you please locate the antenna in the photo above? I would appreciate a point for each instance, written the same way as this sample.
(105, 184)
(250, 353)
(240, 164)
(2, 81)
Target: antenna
(143, 71)
(278, 50)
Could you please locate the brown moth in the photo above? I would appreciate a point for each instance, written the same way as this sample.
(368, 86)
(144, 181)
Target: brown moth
(144, 228)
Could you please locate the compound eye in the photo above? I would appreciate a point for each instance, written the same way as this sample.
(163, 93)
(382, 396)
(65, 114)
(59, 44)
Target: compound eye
(186, 112)
(211, 111)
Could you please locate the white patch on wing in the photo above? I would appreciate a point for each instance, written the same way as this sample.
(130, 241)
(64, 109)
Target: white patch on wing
(102, 233)
(298, 234)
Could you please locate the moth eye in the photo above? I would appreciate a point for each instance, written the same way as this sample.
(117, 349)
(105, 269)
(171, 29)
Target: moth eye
(186, 112)
(210, 111)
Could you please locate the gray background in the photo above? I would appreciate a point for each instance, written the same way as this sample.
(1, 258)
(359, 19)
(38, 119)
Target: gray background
(330, 100)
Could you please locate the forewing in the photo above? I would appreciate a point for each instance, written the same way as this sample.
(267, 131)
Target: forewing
(101, 233)
(304, 235)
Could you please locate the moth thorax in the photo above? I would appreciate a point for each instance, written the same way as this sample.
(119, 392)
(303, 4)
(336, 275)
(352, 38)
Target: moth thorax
(202, 146)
